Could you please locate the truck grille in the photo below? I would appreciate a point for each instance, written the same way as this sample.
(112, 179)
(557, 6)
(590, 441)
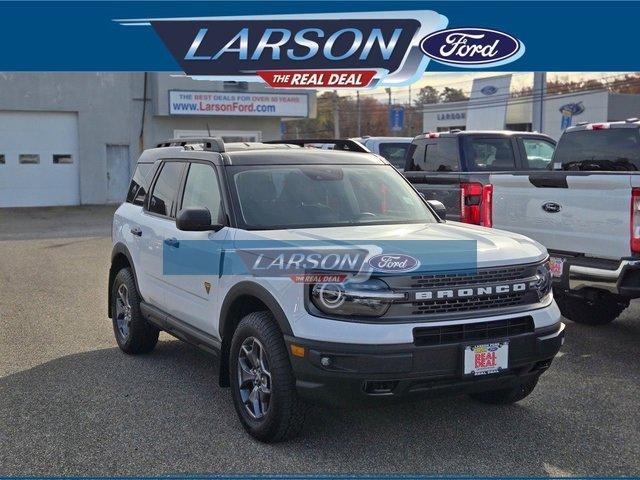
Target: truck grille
(472, 331)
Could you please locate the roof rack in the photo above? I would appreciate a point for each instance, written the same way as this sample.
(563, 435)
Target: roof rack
(340, 143)
(211, 144)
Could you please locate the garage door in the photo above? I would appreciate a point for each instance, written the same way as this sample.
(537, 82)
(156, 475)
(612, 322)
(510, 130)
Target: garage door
(39, 162)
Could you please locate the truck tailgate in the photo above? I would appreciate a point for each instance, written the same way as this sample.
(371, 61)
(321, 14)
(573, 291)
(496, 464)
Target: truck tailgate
(592, 217)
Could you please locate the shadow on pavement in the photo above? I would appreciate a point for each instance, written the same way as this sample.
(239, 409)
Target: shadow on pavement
(105, 413)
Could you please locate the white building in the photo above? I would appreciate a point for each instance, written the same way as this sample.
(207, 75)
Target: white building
(589, 106)
(74, 138)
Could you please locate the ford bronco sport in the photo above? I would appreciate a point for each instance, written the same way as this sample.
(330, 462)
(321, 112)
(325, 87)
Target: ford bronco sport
(489, 333)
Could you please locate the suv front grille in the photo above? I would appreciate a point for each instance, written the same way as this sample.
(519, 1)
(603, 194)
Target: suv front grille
(466, 304)
(423, 336)
(489, 275)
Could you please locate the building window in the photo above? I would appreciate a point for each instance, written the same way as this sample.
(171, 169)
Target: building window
(2, 160)
(29, 158)
(59, 158)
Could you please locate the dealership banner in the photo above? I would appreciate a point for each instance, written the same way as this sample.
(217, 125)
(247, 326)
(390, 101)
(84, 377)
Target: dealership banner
(321, 44)
(239, 104)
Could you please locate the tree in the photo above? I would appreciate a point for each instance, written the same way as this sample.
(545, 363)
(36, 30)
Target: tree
(426, 95)
(452, 95)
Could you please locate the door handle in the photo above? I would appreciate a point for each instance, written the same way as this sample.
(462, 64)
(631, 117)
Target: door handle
(172, 242)
(137, 231)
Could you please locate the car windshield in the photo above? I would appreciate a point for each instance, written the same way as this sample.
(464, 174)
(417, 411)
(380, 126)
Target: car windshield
(299, 196)
(395, 153)
(607, 149)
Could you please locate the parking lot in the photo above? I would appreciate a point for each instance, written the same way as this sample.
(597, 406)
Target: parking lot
(72, 404)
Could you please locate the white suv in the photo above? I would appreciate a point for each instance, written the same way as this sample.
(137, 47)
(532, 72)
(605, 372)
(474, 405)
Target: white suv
(295, 266)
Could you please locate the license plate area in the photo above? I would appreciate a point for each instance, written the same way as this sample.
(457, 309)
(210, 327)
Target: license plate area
(485, 358)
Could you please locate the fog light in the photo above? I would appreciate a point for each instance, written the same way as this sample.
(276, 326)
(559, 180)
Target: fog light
(325, 361)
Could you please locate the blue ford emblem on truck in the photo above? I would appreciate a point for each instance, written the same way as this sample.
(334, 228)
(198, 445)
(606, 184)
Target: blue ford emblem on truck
(472, 47)
(393, 263)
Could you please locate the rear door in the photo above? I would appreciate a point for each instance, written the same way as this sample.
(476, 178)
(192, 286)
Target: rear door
(579, 212)
(434, 169)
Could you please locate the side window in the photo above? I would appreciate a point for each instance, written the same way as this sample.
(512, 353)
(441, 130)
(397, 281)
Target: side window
(163, 196)
(201, 190)
(139, 184)
(416, 157)
(539, 153)
(443, 156)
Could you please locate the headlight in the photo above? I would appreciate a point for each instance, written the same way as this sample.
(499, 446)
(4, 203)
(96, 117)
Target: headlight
(543, 279)
(370, 298)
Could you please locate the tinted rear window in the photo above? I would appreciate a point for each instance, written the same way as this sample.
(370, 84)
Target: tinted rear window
(610, 149)
(140, 184)
(395, 153)
(488, 154)
(435, 155)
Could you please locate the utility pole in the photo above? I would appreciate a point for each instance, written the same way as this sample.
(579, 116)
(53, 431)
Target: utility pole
(359, 115)
(388, 90)
(539, 93)
(336, 115)
(407, 126)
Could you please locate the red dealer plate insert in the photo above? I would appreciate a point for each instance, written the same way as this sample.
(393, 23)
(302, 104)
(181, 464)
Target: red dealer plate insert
(486, 358)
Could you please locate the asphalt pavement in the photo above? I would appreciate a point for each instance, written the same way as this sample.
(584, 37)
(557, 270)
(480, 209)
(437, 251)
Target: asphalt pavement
(72, 404)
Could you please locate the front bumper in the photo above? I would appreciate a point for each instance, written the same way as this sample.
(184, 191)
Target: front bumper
(357, 374)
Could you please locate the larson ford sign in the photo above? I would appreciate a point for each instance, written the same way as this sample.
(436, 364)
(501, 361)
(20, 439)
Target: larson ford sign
(238, 104)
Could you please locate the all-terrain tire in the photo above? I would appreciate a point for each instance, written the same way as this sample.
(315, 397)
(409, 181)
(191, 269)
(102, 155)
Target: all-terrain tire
(597, 311)
(141, 336)
(284, 417)
(506, 396)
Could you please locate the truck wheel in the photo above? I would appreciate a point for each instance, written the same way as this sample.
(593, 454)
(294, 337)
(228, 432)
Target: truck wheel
(133, 333)
(599, 310)
(262, 381)
(506, 396)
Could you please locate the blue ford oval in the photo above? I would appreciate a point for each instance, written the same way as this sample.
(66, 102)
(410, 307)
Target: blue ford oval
(472, 47)
(393, 263)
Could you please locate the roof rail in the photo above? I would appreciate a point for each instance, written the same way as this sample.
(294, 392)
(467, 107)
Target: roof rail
(631, 120)
(340, 143)
(211, 144)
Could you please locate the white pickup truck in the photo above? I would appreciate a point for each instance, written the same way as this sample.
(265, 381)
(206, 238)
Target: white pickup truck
(587, 215)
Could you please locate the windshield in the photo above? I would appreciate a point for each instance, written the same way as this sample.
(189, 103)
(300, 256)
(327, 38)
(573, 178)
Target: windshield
(298, 196)
(608, 149)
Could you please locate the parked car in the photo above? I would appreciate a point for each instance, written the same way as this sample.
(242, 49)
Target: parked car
(454, 167)
(490, 332)
(587, 215)
(394, 149)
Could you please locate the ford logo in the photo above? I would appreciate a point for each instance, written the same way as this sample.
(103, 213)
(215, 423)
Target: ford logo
(472, 47)
(393, 263)
(488, 90)
(573, 108)
(552, 207)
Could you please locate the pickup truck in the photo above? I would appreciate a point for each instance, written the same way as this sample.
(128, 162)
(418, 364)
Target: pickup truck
(454, 167)
(587, 215)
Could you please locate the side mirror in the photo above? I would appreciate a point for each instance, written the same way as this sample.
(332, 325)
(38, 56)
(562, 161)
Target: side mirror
(195, 219)
(439, 208)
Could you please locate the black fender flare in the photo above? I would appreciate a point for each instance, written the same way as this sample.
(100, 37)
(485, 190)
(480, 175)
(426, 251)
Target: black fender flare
(120, 249)
(253, 289)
